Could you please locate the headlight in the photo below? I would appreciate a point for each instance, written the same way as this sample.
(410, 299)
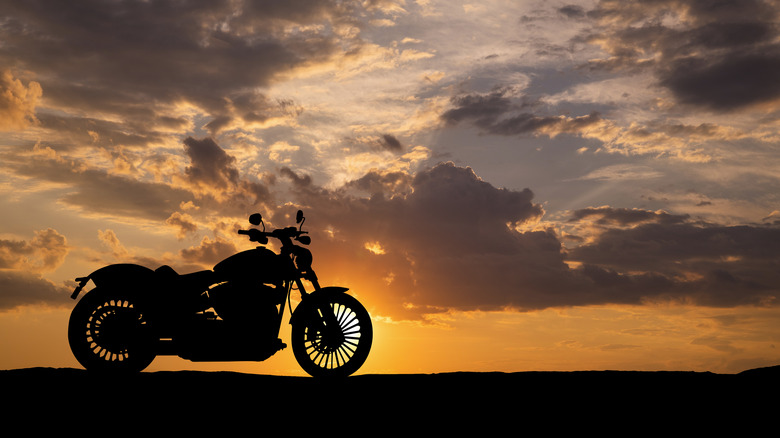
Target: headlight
(303, 258)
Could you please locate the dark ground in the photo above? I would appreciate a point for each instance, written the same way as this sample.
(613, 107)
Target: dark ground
(525, 403)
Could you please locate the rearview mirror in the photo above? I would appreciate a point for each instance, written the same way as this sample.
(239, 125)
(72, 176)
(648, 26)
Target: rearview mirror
(299, 217)
(256, 219)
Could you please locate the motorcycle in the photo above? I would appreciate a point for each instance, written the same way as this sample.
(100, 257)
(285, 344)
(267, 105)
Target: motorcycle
(232, 312)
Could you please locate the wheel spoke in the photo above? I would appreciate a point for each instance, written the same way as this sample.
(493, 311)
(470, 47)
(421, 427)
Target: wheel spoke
(108, 332)
(334, 350)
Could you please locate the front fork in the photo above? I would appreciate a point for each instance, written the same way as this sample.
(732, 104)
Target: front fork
(322, 318)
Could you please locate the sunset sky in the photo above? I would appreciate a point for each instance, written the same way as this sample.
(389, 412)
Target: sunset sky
(506, 185)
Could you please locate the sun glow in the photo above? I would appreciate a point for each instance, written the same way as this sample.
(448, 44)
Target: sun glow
(374, 248)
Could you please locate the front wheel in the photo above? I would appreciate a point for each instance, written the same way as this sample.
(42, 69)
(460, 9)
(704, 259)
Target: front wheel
(338, 349)
(108, 332)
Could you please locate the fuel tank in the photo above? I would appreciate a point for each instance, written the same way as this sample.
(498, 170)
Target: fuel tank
(259, 264)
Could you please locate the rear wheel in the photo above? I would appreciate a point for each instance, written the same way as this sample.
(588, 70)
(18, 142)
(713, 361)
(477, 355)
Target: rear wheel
(337, 350)
(108, 332)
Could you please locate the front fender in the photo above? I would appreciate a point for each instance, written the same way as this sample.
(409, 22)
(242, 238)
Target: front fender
(123, 274)
(311, 301)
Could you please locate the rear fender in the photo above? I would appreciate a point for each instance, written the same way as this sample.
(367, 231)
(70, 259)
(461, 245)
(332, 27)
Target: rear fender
(123, 275)
(312, 301)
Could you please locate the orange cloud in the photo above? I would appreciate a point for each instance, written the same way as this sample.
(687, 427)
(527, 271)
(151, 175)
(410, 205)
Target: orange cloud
(17, 102)
(44, 252)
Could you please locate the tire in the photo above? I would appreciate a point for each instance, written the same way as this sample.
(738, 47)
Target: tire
(108, 333)
(336, 354)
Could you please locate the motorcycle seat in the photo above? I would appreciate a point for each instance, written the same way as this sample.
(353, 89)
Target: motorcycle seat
(166, 271)
(198, 279)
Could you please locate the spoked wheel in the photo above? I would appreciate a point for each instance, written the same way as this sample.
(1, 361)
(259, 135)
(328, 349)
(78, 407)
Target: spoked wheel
(337, 350)
(107, 332)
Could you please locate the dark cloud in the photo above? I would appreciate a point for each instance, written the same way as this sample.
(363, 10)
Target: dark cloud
(21, 265)
(211, 179)
(376, 183)
(481, 109)
(373, 143)
(727, 83)
(97, 191)
(659, 256)
(625, 216)
(438, 239)
(251, 108)
(657, 243)
(452, 199)
(183, 222)
(138, 59)
(717, 55)
(74, 131)
(572, 11)
(301, 182)
(390, 142)
(496, 113)
(210, 165)
(443, 238)
(24, 288)
(449, 242)
(703, 264)
(530, 123)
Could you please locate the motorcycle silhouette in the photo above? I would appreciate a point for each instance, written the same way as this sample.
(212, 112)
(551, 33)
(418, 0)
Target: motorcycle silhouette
(230, 313)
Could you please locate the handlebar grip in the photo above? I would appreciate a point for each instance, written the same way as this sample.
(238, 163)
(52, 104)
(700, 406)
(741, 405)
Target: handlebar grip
(243, 231)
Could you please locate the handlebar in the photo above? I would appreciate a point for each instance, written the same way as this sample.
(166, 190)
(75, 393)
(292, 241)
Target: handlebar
(279, 233)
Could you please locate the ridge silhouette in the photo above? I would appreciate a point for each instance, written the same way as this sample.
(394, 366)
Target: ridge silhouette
(550, 403)
(233, 312)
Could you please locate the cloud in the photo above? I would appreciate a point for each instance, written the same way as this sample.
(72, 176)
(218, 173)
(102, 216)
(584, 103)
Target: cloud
(76, 131)
(98, 192)
(211, 177)
(183, 222)
(707, 264)
(22, 264)
(209, 165)
(115, 87)
(549, 125)
(728, 83)
(390, 142)
(625, 216)
(138, 61)
(373, 144)
(498, 113)
(44, 252)
(447, 240)
(209, 252)
(572, 11)
(712, 55)
(481, 109)
(623, 172)
(452, 241)
(110, 240)
(17, 102)
(444, 239)
(684, 55)
(504, 112)
(278, 151)
(385, 184)
(26, 288)
(119, 253)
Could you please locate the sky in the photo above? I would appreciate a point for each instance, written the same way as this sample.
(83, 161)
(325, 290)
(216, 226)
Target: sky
(506, 185)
